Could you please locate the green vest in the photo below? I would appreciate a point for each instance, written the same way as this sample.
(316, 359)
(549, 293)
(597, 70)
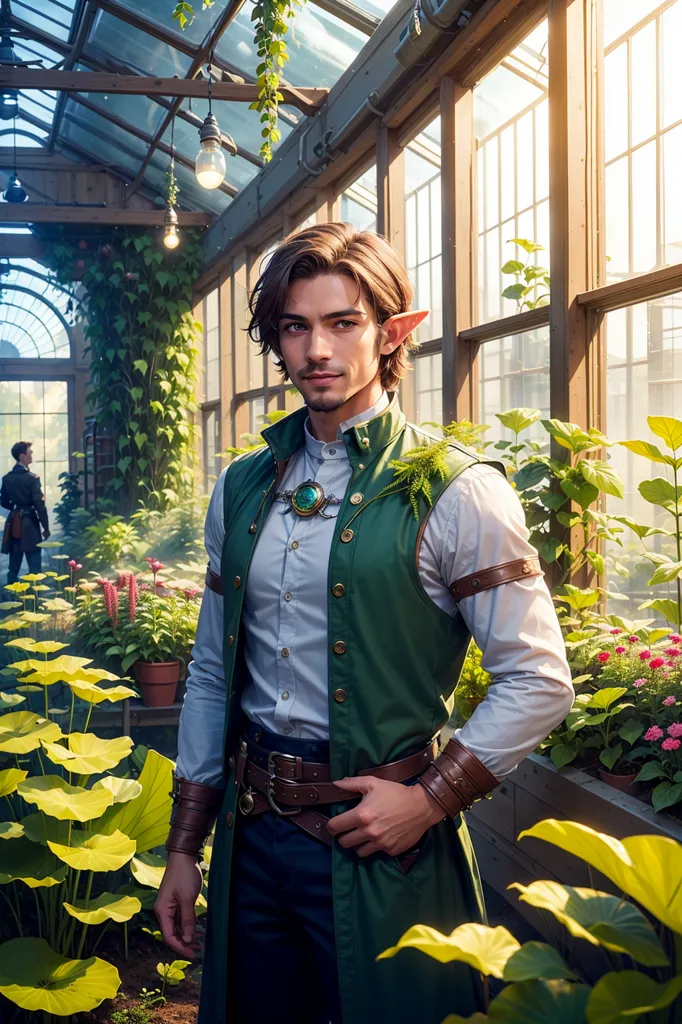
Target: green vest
(394, 659)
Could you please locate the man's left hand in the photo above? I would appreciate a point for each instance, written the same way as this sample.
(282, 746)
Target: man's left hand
(390, 817)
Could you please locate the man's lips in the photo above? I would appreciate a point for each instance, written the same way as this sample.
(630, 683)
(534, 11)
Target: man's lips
(322, 378)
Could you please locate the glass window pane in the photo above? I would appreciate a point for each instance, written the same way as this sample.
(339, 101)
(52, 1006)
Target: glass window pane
(514, 373)
(428, 388)
(423, 222)
(146, 54)
(359, 202)
(672, 66)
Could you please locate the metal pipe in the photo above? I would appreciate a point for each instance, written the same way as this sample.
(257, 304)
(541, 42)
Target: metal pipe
(428, 22)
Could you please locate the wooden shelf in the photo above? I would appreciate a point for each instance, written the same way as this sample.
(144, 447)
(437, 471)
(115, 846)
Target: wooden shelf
(134, 713)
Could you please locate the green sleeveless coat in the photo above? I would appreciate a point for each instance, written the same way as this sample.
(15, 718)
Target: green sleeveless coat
(387, 698)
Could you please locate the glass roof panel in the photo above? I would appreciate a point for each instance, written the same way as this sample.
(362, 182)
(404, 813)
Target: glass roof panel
(53, 16)
(320, 46)
(26, 134)
(139, 111)
(30, 50)
(141, 51)
(236, 120)
(107, 143)
(160, 11)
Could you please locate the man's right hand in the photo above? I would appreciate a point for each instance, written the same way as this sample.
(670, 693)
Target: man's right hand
(46, 534)
(175, 903)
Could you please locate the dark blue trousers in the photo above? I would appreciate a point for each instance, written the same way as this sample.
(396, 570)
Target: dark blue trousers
(16, 555)
(282, 947)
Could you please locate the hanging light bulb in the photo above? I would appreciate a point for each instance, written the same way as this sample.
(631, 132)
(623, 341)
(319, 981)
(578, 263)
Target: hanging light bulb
(171, 238)
(9, 98)
(210, 166)
(15, 192)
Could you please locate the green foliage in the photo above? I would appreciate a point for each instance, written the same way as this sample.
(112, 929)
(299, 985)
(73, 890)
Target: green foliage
(414, 471)
(532, 285)
(131, 1015)
(135, 301)
(171, 190)
(110, 541)
(164, 629)
(472, 686)
(539, 985)
(70, 500)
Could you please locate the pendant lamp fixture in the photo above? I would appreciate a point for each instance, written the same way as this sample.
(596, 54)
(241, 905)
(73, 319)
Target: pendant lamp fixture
(210, 166)
(9, 98)
(15, 192)
(171, 239)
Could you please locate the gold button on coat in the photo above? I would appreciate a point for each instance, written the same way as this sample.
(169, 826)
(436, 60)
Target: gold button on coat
(237, 582)
(347, 536)
(356, 498)
(294, 545)
(339, 696)
(338, 590)
(230, 641)
(230, 819)
(365, 442)
(339, 647)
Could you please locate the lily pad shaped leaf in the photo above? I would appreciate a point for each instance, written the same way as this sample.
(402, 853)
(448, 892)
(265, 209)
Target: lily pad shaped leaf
(94, 694)
(10, 779)
(40, 828)
(535, 961)
(107, 907)
(628, 995)
(485, 949)
(90, 851)
(10, 700)
(89, 754)
(22, 643)
(55, 797)
(648, 868)
(22, 731)
(602, 919)
(36, 978)
(144, 819)
(11, 830)
(24, 861)
(123, 789)
(540, 1002)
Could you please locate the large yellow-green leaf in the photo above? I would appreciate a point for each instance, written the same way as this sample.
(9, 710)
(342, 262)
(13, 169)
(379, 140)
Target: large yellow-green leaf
(659, 491)
(647, 868)
(24, 861)
(6, 606)
(94, 694)
(145, 819)
(598, 917)
(174, 972)
(107, 907)
(54, 796)
(22, 643)
(650, 451)
(668, 428)
(96, 675)
(11, 830)
(10, 779)
(90, 851)
(123, 789)
(40, 828)
(48, 647)
(22, 731)
(148, 869)
(540, 1002)
(57, 670)
(535, 961)
(485, 949)
(10, 700)
(454, 1018)
(602, 474)
(36, 978)
(517, 420)
(88, 754)
(627, 995)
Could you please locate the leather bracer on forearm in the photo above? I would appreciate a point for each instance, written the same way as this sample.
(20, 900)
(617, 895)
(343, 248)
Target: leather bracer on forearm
(195, 809)
(457, 778)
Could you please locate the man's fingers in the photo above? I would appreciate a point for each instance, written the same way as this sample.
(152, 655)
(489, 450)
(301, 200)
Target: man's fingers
(346, 821)
(165, 915)
(358, 784)
(188, 920)
(354, 838)
(367, 849)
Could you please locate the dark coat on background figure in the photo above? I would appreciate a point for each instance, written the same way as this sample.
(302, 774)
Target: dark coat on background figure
(22, 495)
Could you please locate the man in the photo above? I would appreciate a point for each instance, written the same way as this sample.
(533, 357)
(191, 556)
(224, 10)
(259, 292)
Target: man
(338, 610)
(21, 494)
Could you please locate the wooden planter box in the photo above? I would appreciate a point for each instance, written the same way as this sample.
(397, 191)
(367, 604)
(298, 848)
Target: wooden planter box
(536, 790)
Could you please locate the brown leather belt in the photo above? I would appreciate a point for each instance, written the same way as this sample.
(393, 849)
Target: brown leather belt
(292, 787)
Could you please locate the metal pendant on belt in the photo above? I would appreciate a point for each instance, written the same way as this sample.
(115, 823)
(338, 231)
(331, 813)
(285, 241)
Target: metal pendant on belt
(308, 499)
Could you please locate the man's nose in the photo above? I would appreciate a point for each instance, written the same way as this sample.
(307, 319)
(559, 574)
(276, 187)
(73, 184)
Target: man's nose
(319, 345)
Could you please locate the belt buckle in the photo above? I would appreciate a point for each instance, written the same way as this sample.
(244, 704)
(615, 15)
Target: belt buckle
(281, 811)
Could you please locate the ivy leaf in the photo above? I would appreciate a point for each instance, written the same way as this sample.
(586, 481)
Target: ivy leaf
(582, 492)
(513, 291)
(668, 428)
(140, 439)
(512, 267)
(141, 365)
(666, 794)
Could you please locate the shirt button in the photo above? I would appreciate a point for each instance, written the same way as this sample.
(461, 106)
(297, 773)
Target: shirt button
(230, 641)
(285, 652)
(339, 696)
(332, 451)
(287, 596)
(253, 528)
(237, 582)
(347, 536)
(294, 545)
(285, 695)
(230, 819)
(338, 590)
(356, 498)
(339, 647)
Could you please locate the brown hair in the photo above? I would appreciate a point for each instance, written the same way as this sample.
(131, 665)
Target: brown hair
(333, 248)
(20, 448)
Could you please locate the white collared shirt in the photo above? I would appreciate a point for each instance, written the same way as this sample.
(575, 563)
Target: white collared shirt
(285, 618)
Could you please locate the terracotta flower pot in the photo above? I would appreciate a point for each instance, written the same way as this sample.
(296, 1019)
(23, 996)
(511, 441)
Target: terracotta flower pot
(158, 681)
(621, 782)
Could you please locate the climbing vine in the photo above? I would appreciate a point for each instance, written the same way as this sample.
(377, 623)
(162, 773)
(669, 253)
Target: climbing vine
(135, 303)
(270, 18)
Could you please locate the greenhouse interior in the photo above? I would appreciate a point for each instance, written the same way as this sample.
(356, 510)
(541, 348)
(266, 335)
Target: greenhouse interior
(341, 565)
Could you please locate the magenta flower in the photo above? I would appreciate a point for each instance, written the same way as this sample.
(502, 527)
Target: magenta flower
(133, 594)
(616, 631)
(652, 734)
(673, 652)
(603, 656)
(639, 683)
(675, 637)
(675, 730)
(633, 639)
(670, 744)
(71, 563)
(644, 655)
(620, 649)
(657, 663)
(669, 701)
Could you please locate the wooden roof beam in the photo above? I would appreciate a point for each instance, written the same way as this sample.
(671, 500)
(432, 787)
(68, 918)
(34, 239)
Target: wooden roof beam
(35, 213)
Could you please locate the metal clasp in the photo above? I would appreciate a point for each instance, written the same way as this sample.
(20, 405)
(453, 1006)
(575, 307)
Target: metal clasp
(283, 812)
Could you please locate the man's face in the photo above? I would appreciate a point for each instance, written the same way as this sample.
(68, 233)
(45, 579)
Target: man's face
(27, 458)
(328, 337)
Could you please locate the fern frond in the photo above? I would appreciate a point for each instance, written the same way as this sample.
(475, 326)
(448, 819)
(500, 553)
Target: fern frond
(415, 469)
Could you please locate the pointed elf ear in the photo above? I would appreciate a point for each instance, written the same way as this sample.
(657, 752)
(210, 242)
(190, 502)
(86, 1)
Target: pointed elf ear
(396, 328)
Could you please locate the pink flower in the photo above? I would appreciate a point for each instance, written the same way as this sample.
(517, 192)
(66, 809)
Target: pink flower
(78, 567)
(653, 734)
(71, 563)
(657, 663)
(145, 586)
(670, 745)
(673, 652)
(675, 637)
(603, 656)
(669, 701)
(644, 655)
(620, 650)
(191, 592)
(675, 730)
(156, 566)
(133, 594)
(159, 583)
(111, 600)
(633, 639)
(639, 683)
(150, 560)
(616, 631)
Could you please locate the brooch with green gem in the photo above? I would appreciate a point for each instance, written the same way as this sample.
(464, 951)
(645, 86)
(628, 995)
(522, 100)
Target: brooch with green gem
(308, 499)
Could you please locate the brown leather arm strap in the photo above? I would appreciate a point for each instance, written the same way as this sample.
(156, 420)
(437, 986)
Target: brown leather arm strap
(506, 572)
(196, 808)
(457, 778)
(214, 581)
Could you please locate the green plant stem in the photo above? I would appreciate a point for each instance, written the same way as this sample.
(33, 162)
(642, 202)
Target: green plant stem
(87, 720)
(15, 915)
(47, 702)
(678, 541)
(88, 890)
(125, 939)
(38, 914)
(11, 808)
(73, 705)
(486, 992)
(99, 938)
(71, 927)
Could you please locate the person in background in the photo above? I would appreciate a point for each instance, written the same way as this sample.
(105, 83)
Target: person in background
(22, 495)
